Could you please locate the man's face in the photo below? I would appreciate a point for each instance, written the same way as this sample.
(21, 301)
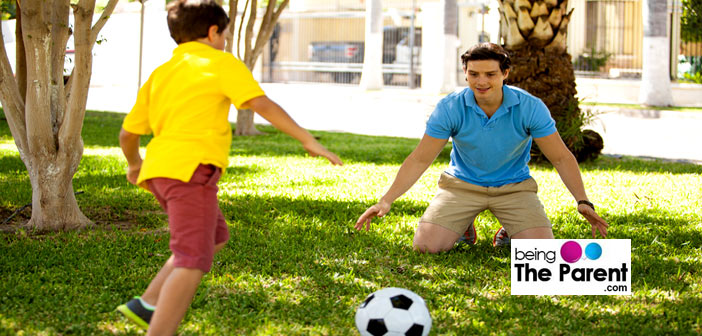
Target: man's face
(485, 78)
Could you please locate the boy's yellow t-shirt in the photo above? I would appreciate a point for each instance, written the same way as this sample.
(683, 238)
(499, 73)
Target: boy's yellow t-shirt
(185, 104)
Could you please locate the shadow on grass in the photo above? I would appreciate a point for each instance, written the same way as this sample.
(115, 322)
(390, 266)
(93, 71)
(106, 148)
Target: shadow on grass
(593, 315)
(12, 164)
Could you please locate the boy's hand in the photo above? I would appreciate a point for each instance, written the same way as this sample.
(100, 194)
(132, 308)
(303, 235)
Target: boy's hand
(377, 210)
(133, 173)
(598, 224)
(316, 149)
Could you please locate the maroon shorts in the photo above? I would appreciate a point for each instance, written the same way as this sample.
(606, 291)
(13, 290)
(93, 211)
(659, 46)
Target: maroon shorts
(195, 221)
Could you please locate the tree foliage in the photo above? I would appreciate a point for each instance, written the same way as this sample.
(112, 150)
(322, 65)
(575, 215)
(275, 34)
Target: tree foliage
(691, 21)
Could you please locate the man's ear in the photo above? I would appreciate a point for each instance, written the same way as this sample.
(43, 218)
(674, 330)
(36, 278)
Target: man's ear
(506, 74)
(212, 32)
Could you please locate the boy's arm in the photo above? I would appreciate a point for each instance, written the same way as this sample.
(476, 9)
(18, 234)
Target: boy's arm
(280, 119)
(130, 147)
(412, 168)
(567, 166)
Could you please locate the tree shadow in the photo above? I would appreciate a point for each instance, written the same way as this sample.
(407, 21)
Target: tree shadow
(592, 315)
(12, 164)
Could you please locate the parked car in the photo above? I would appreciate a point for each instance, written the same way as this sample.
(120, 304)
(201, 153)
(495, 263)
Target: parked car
(337, 52)
(395, 46)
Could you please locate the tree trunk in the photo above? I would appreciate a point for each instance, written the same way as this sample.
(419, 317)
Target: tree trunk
(245, 123)
(655, 79)
(372, 74)
(54, 205)
(550, 77)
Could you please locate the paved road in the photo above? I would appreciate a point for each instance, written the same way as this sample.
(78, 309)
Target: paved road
(402, 112)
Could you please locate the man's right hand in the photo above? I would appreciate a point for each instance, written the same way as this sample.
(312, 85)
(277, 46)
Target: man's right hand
(378, 210)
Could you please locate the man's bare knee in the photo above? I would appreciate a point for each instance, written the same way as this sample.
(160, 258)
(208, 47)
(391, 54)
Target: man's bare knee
(426, 248)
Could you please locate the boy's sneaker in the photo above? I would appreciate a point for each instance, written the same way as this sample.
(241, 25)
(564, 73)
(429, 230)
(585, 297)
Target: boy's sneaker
(501, 238)
(469, 237)
(136, 312)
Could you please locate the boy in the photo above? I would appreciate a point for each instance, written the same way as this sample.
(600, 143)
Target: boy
(185, 104)
(492, 126)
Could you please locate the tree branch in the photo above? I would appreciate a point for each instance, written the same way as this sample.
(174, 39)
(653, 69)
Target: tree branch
(36, 20)
(60, 32)
(266, 30)
(12, 102)
(232, 24)
(21, 55)
(102, 20)
(70, 143)
(249, 35)
(241, 27)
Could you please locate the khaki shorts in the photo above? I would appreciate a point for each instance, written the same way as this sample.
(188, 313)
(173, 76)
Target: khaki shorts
(457, 204)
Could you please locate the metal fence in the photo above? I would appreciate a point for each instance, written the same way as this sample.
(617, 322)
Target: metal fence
(329, 48)
(613, 39)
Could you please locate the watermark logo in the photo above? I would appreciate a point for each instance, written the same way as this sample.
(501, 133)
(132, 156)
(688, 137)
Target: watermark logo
(571, 267)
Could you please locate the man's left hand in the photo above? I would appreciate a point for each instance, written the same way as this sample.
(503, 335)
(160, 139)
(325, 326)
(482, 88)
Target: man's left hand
(598, 224)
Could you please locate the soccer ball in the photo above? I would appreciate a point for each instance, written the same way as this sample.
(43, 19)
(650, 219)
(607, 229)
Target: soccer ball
(393, 311)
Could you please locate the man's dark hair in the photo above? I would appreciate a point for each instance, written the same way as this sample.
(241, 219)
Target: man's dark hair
(487, 51)
(189, 20)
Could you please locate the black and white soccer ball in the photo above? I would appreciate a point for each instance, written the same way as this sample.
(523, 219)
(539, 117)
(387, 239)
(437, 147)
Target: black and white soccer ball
(393, 311)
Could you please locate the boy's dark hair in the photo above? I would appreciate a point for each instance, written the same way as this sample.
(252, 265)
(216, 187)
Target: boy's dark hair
(189, 20)
(487, 51)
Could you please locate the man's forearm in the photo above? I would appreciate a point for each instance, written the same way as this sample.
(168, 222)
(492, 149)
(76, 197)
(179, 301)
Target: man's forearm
(569, 171)
(410, 171)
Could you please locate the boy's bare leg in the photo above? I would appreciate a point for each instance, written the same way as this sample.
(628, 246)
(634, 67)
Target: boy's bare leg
(176, 294)
(152, 292)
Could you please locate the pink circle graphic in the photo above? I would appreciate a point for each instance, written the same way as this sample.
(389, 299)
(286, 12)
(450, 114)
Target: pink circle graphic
(571, 251)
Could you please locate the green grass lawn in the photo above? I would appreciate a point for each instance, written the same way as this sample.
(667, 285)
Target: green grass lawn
(295, 265)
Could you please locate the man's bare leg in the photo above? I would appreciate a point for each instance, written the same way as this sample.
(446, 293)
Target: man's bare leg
(432, 238)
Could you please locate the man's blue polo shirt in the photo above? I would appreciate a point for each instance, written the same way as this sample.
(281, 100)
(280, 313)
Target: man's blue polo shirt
(490, 152)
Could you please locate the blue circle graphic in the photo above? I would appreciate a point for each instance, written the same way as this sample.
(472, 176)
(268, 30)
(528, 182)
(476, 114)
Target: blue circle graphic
(593, 251)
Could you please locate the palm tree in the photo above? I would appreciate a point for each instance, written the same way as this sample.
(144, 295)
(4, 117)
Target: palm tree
(535, 32)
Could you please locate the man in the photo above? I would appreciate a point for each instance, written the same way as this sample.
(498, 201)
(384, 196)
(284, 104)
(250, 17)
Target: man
(492, 126)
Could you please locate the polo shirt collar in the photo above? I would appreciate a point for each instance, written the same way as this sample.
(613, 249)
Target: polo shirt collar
(190, 47)
(509, 99)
